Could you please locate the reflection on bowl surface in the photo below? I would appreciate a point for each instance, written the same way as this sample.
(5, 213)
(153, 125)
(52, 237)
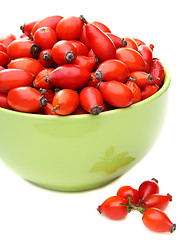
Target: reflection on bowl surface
(81, 152)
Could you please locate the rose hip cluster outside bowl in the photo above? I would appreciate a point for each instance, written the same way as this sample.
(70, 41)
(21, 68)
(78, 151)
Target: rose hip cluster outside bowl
(81, 152)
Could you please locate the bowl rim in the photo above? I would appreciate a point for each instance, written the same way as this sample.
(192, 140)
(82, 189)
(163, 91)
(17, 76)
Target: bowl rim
(164, 87)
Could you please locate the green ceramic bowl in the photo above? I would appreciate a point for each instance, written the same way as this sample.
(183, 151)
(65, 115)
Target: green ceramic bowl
(80, 152)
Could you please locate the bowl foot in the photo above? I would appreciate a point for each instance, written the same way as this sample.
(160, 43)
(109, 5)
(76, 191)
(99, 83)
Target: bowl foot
(73, 188)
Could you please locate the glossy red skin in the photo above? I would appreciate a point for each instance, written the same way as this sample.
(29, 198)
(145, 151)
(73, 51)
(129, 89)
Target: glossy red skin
(84, 61)
(48, 93)
(4, 59)
(113, 69)
(135, 90)
(148, 91)
(24, 36)
(147, 67)
(29, 64)
(126, 192)
(91, 53)
(50, 21)
(84, 39)
(67, 99)
(157, 201)
(3, 48)
(69, 76)
(141, 78)
(116, 40)
(27, 28)
(147, 188)
(157, 71)
(131, 43)
(69, 28)
(102, 26)
(24, 99)
(80, 47)
(2, 68)
(40, 80)
(157, 221)
(60, 51)
(79, 110)
(22, 48)
(116, 93)
(138, 41)
(100, 42)
(13, 78)
(146, 53)
(48, 109)
(113, 209)
(93, 81)
(91, 100)
(3, 101)
(45, 37)
(131, 58)
(106, 107)
(7, 39)
(45, 58)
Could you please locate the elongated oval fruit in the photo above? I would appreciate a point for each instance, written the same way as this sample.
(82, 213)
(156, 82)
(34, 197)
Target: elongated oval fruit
(31, 65)
(27, 27)
(157, 221)
(112, 69)
(146, 53)
(131, 58)
(26, 99)
(114, 208)
(116, 93)
(63, 52)
(50, 21)
(69, 76)
(69, 28)
(12, 78)
(157, 201)
(23, 48)
(147, 188)
(157, 72)
(91, 100)
(101, 44)
(65, 102)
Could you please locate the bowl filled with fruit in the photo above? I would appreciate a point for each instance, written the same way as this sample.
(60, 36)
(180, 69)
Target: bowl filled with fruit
(79, 106)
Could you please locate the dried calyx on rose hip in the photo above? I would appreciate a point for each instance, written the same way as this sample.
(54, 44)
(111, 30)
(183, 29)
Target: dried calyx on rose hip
(106, 71)
(146, 200)
(157, 221)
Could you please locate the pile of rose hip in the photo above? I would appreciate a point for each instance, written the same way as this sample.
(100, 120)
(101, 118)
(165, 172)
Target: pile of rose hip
(146, 200)
(63, 66)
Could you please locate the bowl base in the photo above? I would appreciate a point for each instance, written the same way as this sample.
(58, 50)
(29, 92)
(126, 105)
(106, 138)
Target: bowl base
(73, 188)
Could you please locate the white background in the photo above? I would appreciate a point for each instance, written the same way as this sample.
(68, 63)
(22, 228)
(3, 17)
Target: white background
(29, 212)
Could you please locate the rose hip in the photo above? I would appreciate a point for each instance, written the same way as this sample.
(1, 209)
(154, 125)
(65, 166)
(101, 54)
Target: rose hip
(157, 72)
(71, 53)
(157, 221)
(147, 188)
(91, 100)
(157, 201)
(151, 208)
(129, 192)
(114, 207)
